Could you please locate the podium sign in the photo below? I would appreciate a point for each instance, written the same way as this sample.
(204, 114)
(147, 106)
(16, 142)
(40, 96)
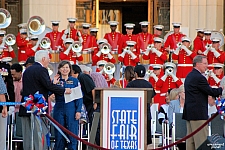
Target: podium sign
(123, 118)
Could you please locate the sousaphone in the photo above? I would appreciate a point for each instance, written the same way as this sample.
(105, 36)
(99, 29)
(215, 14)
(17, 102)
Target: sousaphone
(35, 25)
(220, 35)
(5, 18)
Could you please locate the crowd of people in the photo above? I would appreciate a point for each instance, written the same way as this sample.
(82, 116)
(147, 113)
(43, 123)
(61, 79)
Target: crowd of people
(173, 68)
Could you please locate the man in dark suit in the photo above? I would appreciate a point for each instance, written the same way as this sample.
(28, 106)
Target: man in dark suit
(36, 78)
(195, 111)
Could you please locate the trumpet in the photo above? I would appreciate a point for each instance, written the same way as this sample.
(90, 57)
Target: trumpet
(5, 18)
(208, 46)
(127, 48)
(109, 68)
(68, 49)
(150, 46)
(77, 47)
(105, 48)
(179, 44)
(149, 72)
(10, 39)
(45, 43)
(170, 70)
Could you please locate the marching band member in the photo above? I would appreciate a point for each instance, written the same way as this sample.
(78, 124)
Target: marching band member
(32, 46)
(6, 50)
(215, 75)
(113, 39)
(184, 56)
(94, 32)
(214, 54)
(71, 32)
(100, 54)
(69, 54)
(55, 36)
(109, 77)
(152, 76)
(129, 56)
(207, 40)
(21, 41)
(157, 31)
(143, 38)
(175, 38)
(156, 54)
(168, 81)
(89, 42)
(198, 42)
(128, 37)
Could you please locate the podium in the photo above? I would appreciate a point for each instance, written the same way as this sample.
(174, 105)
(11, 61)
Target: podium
(123, 116)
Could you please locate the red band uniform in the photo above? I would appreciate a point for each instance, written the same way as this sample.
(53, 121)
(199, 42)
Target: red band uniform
(22, 41)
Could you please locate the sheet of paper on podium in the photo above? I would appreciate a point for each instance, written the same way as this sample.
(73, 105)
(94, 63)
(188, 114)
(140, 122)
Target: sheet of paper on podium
(75, 94)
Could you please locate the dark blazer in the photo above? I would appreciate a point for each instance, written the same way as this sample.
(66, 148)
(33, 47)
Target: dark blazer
(197, 90)
(36, 78)
(9, 83)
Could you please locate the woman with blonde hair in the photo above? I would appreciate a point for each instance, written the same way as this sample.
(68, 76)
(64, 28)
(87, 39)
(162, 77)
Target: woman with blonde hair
(174, 94)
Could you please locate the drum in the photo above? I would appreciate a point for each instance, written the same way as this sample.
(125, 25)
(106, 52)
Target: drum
(55, 57)
(86, 57)
(143, 61)
(115, 55)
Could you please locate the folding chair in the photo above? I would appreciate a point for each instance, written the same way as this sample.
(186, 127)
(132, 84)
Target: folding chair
(218, 126)
(179, 128)
(156, 127)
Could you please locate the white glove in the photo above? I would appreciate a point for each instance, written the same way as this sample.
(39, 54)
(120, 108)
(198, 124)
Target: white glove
(27, 39)
(216, 54)
(110, 56)
(154, 77)
(80, 39)
(186, 50)
(78, 54)
(123, 53)
(10, 48)
(153, 50)
(158, 53)
(110, 76)
(215, 77)
(147, 51)
(174, 77)
(99, 53)
(164, 76)
(206, 52)
(176, 52)
(133, 55)
(35, 48)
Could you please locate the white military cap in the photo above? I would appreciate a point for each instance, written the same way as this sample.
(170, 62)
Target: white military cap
(94, 29)
(185, 38)
(113, 23)
(218, 65)
(101, 62)
(55, 23)
(129, 25)
(144, 23)
(215, 39)
(2, 32)
(176, 24)
(86, 25)
(156, 66)
(22, 31)
(158, 39)
(85, 68)
(169, 64)
(33, 37)
(158, 27)
(22, 25)
(200, 30)
(100, 41)
(72, 19)
(130, 43)
(68, 41)
(207, 31)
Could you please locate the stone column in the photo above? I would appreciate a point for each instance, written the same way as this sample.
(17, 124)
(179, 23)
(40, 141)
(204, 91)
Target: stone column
(50, 10)
(197, 14)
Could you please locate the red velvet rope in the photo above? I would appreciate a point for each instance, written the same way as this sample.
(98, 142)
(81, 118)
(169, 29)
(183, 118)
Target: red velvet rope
(101, 148)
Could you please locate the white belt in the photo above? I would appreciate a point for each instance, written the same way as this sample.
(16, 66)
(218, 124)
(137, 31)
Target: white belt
(23, 51)
(163, 94)
(185, 65)
(157, 91)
